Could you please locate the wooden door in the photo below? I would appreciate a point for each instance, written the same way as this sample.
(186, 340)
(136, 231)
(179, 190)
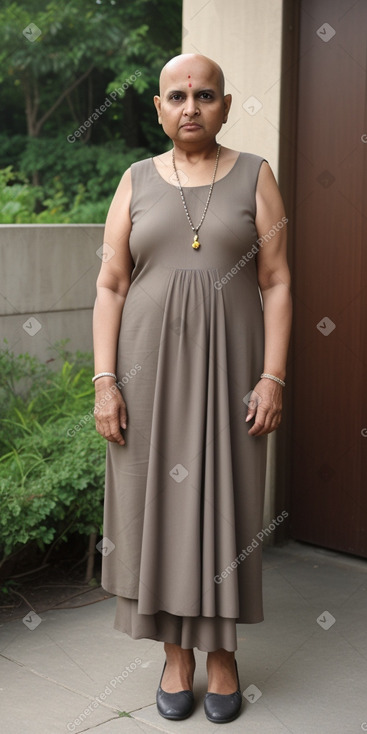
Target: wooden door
(329, 345)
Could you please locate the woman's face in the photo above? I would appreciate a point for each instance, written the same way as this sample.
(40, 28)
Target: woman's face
(191, 105)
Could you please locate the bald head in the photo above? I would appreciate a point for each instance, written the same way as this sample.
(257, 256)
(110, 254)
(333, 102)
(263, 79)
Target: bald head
(191, 65)
(191, 86)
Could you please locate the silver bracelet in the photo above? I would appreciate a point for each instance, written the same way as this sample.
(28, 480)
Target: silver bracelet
(272, 377)
(103, 374)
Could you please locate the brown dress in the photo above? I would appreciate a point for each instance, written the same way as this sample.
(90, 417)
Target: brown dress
(184, 496)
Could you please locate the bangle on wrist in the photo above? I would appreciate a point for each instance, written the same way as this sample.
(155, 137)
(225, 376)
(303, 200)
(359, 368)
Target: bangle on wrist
(273, 377)
(104, 374)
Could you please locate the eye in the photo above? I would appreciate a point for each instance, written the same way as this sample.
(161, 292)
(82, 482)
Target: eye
(176, 96)
(206, 95)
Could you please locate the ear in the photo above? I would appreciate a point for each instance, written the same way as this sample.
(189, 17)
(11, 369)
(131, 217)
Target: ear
(227, 101)
(157, 104)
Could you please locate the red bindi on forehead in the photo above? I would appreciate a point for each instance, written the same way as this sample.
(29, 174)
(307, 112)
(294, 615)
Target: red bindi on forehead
(189, 77)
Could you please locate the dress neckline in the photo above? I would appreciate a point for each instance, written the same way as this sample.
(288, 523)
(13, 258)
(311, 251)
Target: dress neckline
(201, 186)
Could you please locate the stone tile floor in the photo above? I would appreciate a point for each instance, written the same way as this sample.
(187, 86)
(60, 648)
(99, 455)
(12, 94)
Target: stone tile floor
(305, 665)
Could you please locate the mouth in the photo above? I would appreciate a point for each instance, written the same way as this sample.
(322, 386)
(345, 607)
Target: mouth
(191, 126)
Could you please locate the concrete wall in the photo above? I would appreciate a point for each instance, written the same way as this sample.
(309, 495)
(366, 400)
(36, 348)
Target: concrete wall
(47, 285)
(244, 37)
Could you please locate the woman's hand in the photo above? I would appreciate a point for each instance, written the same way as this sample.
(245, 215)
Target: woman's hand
(266, 405)
(110, 411)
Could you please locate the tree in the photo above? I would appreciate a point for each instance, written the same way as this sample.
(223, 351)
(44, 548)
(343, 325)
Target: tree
(60, 60)
(53, 53)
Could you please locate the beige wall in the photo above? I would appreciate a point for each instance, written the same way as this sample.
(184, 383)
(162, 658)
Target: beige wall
(47, 285)
(244, 37)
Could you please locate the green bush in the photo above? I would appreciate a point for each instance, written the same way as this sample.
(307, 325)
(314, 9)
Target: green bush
(77, 181)
(17, 197)
(52, 458)
(19, 202)
(98, 168)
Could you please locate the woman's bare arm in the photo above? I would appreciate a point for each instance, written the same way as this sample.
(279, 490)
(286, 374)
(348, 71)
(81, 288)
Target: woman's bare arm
(113, 283)
(274, 282)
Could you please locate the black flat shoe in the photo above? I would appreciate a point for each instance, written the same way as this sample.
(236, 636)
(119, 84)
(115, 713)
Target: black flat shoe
(221, 708)
(174, 706)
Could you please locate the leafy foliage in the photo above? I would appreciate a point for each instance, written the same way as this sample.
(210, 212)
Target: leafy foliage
(53, 82)
(52, 459)
(17, 198)
(74, 38)
(77, 182)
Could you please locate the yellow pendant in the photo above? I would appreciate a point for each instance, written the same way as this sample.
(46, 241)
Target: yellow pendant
(196, 243)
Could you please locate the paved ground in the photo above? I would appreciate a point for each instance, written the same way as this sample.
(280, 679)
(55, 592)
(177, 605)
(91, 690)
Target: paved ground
(303, 670)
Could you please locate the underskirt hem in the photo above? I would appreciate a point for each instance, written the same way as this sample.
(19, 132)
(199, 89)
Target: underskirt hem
(205, 633)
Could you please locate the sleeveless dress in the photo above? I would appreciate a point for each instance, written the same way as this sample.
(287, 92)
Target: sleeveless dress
(184, 496)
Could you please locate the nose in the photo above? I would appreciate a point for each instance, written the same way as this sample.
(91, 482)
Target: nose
(191, 108)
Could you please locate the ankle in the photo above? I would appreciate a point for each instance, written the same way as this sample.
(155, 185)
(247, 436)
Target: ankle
(175, 652)
(220, 657)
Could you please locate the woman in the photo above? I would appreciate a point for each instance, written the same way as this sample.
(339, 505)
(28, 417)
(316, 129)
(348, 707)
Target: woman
(192, 238)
